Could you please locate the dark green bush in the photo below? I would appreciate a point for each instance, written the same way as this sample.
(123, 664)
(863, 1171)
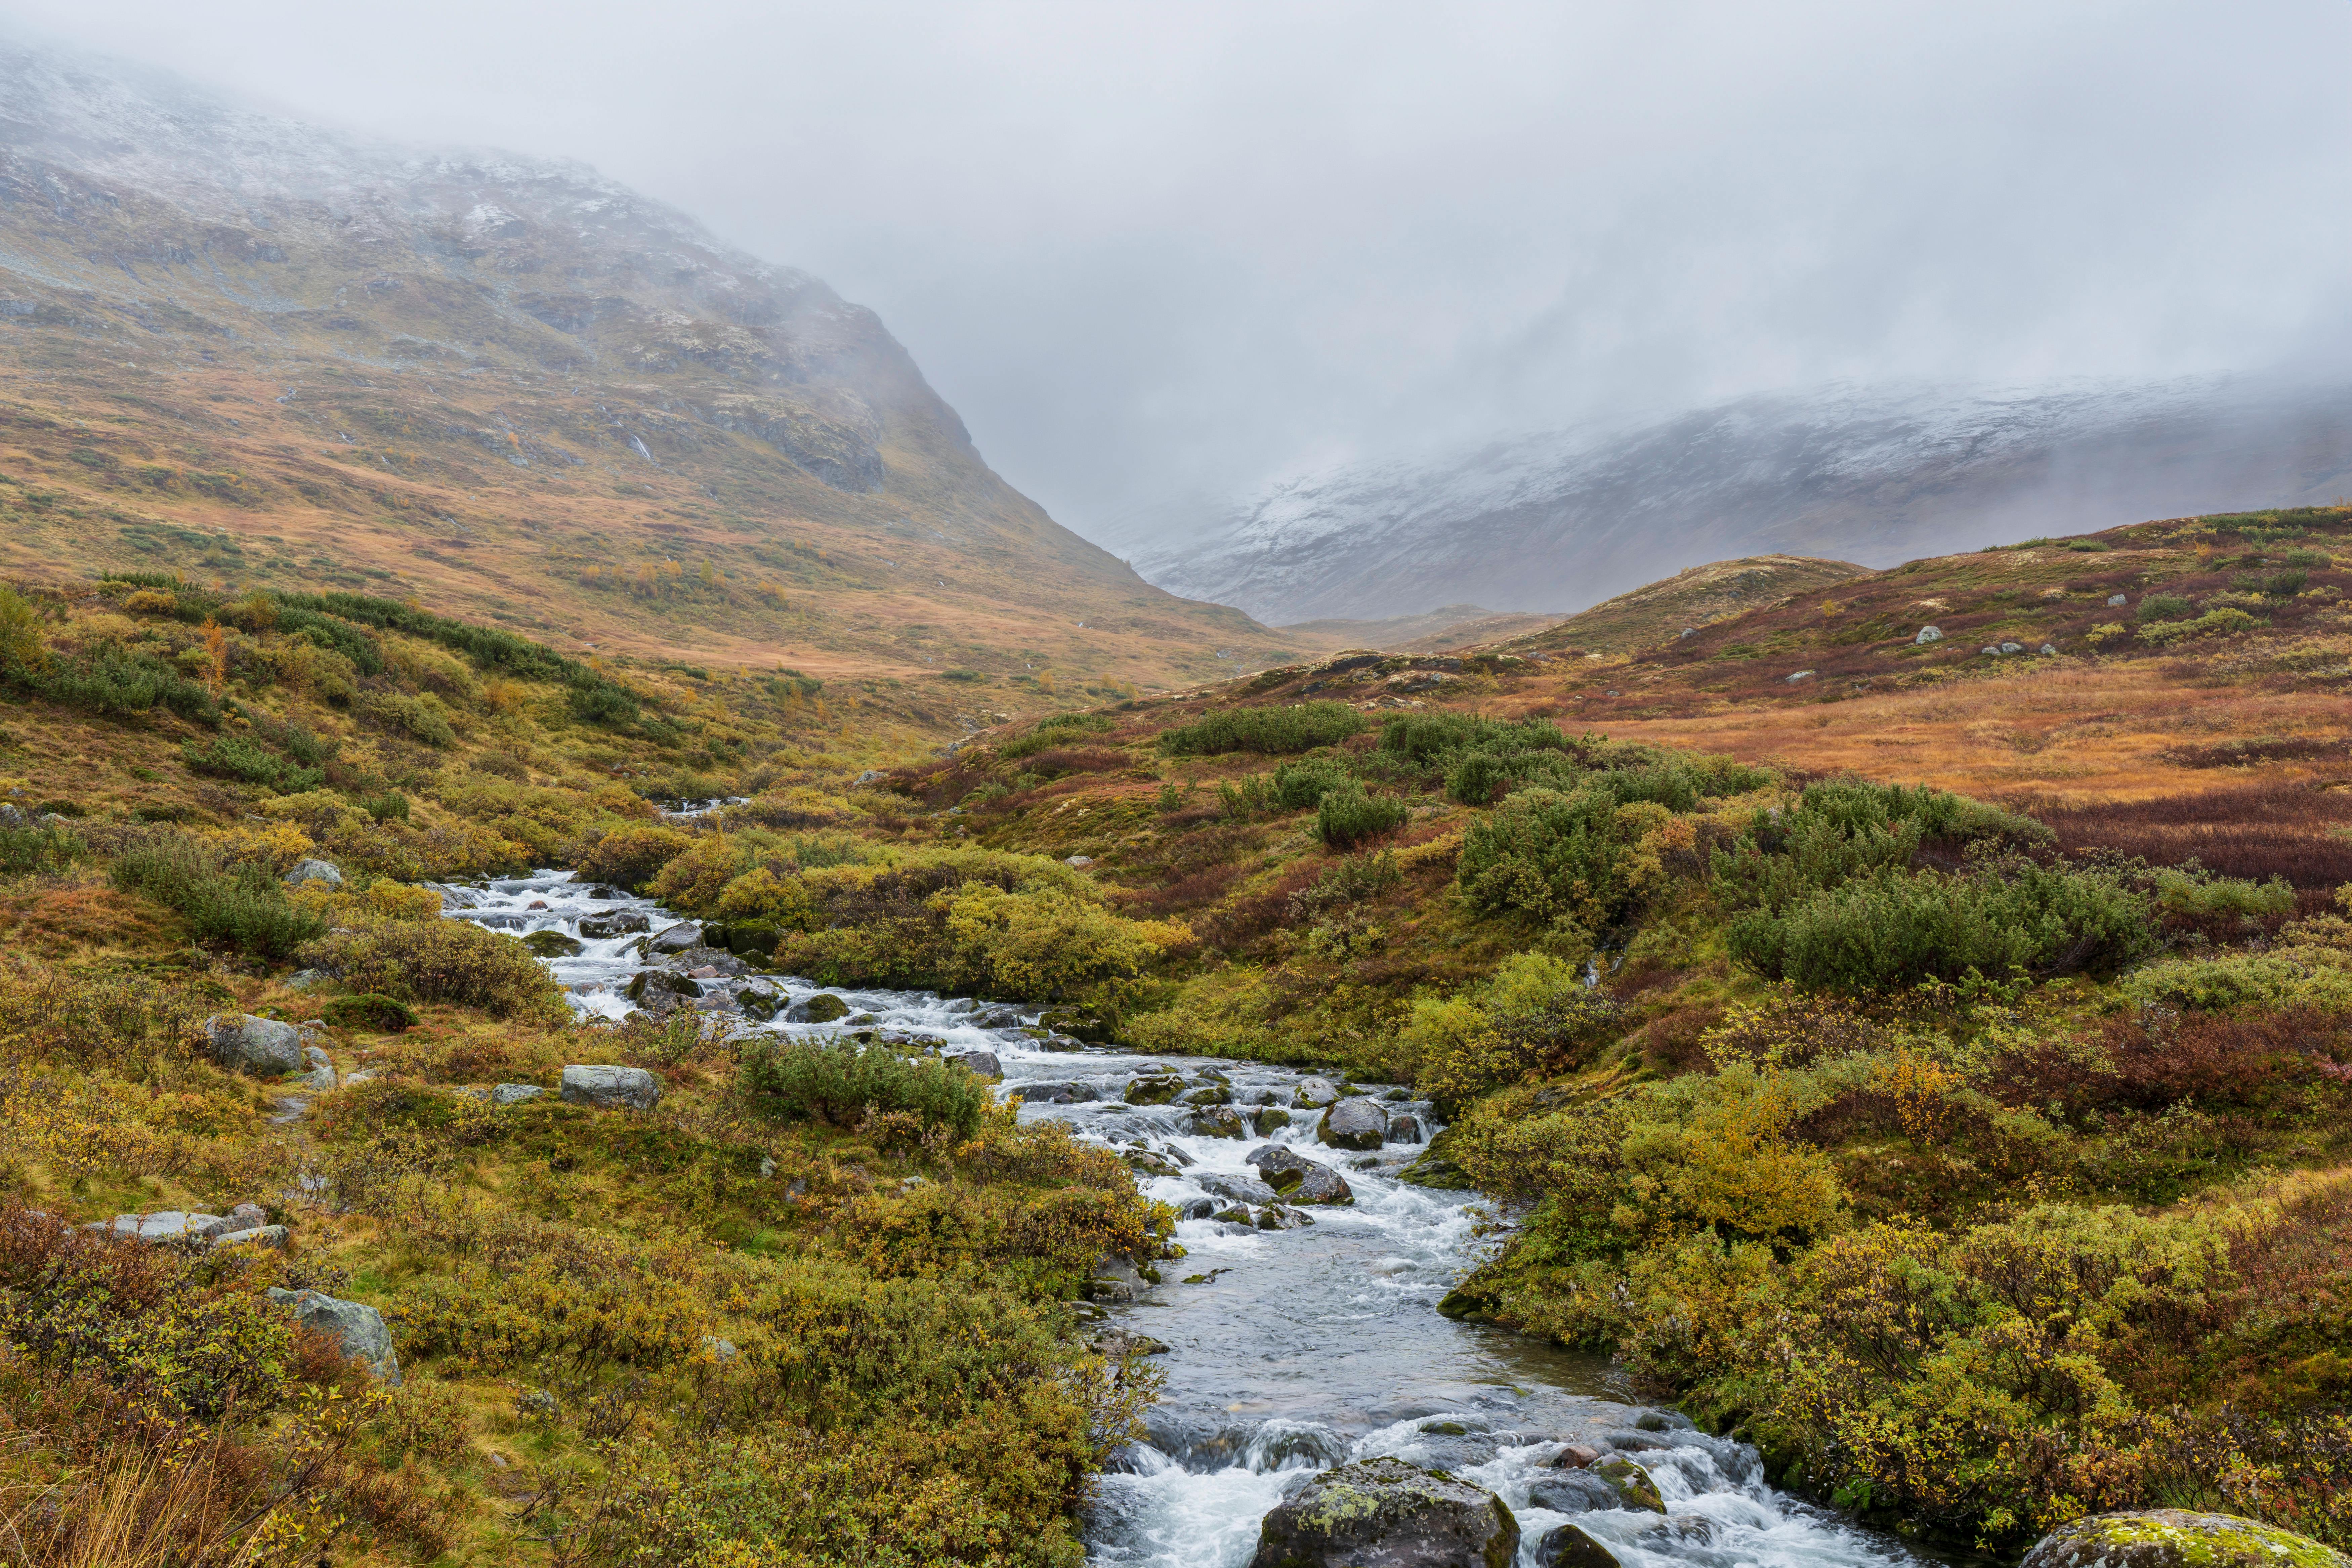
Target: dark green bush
(607, 705)
(372, 1011)
(2164, 606)
(1425, 737)
(235, 757)
(1300, 786)
(632, 857)
(1848, 827)
(1892, 930)
(1276, 732)
(1347, 815)
(384, 807)
(838, 1081)
(220, 901)
(111, 682)
(1543, 855)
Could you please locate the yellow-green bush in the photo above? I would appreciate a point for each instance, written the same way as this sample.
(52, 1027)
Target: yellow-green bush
(440, 961)
(631, 857)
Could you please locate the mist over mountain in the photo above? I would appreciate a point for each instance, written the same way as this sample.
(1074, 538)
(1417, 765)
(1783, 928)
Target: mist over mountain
(238, 344)
(1560, 522)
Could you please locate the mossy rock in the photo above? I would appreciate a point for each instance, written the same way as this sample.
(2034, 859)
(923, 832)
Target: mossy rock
(1388, 1511)
(824, 1008)
(551, 944)
(1091, 1028)
(1633, 1483)
(1154, 1091)
(1265, 1118)
(370, 1011)
(744, 939)
(2176, 1538)
(1432, 1168)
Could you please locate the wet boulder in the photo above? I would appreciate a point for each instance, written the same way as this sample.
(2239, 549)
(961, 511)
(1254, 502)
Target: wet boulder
(245, 1043)
(651, 982)
(1265, 1118)
(1355, 1123)
(611, 1088)
(1145, 1162)
(1571, 1492)
(1217, 1121)
(604, 928)
(1240, 1189)
(761, 998)
(718, 960)
(823, 1007)
(1385, 1513)
(357, 1330)
(2177, 1538)
(1567, 1546)
(997, 1018)
(675, 939)
(551, 944)
(1632, 1483)
(980, 1064)
(1053, 1093)
(1298, 1179)
(1156, 1090)
(1212, 1094)
(1314, 1093)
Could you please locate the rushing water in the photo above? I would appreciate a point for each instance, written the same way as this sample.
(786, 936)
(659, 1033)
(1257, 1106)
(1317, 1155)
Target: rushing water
(1289, 1350)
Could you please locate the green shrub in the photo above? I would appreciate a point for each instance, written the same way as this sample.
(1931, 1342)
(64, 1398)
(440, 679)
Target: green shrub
(2163, 607)
(440, 961)
(2206, 898)
(2248, 982)
(1545, 855)
(838, 1081)
(111, 681)
(421, 718)
(1271, 730)
(30, 849)
(235, 757)
(1891, 929)
(1348, 815)
(1848, 828)
(632, 857)
(1301, 785)
(389, 806)
(220, 901)
(2212, 623)
(371, 1011)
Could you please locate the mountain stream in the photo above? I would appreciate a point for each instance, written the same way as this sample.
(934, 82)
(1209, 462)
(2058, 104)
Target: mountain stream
(1291, 1349)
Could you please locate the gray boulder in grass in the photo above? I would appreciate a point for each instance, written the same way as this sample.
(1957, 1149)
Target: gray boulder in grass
(1385, 1513)
(2177, 1538)
(308, 872)
(611, 1088)
(244, 1043)
(1356, 1123)
(357, 1328)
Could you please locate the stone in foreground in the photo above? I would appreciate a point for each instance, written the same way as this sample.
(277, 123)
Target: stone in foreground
(1634, 1488)
(1567, 1546)
(2176, 1538)
(1385, 1513)
(357, 1328)
(611, 1088)
(244, 1043)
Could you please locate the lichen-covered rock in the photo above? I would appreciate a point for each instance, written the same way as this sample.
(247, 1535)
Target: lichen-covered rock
(515, 1094)
(356, 1328)
(1355, 1123)
(604, 928)
(611, 1088)
(1385, 1513)
(307, 873)
(1314, 1093)
(1632, 1483)
(264, 1235)
(244, 1043)
(980, 1064)
(1217, 1121)
(2175, 1538)
(1567, 1546)
(551, 944)
(1156, 1090)
(1265, 1118)
(648, 984)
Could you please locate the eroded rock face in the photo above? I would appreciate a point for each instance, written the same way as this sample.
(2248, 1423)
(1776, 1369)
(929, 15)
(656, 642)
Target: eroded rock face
(244, 1043)
(2176, 1538)
(1385, 1513)
(1356, 1123)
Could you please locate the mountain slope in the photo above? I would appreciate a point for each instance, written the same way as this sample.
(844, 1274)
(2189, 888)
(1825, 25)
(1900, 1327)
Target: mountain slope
(1567, 519)
(249, 349)
(1659, 612)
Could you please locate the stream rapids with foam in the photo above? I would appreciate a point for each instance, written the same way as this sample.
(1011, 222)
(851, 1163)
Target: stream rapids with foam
(1289, 1350)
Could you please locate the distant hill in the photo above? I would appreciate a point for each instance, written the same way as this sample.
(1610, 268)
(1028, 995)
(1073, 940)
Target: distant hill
(1660, 612)
(1567, 519)
(257, 352)
(1451, 626)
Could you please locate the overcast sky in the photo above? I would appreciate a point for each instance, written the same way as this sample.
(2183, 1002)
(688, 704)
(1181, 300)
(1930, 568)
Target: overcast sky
(1154, 251)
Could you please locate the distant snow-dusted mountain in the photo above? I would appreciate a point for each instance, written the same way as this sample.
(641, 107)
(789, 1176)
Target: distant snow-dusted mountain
(1563, 520)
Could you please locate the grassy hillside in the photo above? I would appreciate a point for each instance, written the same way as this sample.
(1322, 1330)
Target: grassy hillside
(1661, 612)
(246, 352)
(1979, 1153)
(1451, 626)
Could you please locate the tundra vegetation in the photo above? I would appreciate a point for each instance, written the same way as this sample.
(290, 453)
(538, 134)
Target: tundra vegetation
(1979, 1152)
